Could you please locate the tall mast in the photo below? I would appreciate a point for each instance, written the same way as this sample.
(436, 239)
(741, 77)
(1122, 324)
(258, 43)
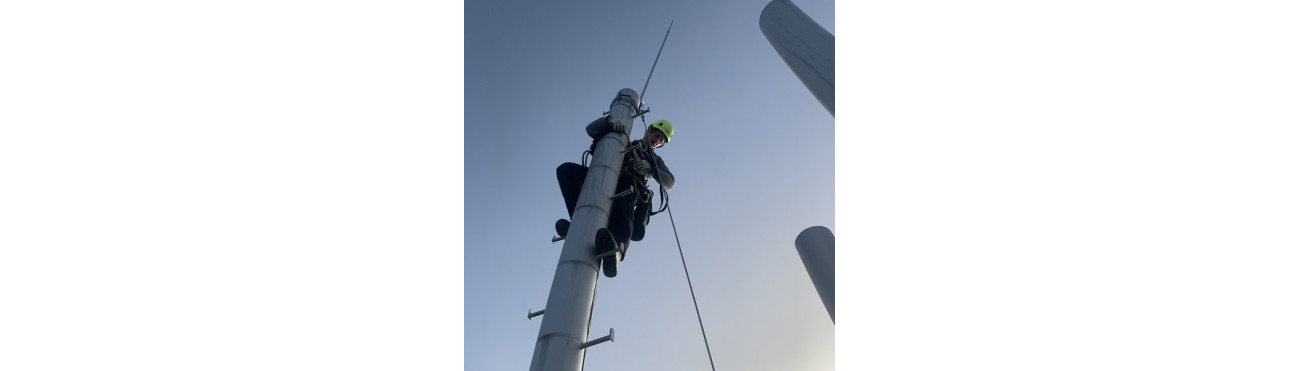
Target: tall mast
(562, 340)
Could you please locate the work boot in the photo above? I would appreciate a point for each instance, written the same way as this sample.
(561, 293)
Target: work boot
(604, 244)
(562, 227)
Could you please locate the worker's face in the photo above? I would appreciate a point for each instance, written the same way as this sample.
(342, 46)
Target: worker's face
(655, 138)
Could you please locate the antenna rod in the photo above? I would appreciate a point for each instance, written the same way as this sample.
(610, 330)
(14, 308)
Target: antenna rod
(652, 66)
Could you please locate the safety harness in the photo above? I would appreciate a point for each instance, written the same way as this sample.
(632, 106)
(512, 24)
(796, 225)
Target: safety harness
(640, 188)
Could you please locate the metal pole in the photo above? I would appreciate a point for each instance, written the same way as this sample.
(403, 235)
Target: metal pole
(573, 290)
(806, 47)
(816, 247)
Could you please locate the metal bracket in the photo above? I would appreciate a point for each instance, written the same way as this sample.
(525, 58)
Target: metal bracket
(556, 239)
(532, 314)
(638, 148)
(602, 339)
(625, 192)
(608, 253)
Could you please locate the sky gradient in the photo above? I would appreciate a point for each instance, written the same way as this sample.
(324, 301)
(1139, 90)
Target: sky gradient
(753, 154)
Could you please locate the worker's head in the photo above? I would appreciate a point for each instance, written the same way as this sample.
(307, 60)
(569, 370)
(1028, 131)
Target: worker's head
(659, 133)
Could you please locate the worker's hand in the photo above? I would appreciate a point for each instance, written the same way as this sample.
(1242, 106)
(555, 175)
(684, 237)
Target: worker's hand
(641, 167)
(615, 124)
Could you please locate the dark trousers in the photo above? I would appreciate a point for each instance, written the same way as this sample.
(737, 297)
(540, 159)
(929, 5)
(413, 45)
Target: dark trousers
(572, 175)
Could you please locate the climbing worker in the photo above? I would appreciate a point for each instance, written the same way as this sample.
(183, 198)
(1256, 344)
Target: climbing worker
(640, 164)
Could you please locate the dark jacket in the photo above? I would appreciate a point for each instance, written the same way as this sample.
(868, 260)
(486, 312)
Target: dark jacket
(658, 170)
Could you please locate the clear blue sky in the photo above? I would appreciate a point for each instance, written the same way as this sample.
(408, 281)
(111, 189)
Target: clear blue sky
(753, 154)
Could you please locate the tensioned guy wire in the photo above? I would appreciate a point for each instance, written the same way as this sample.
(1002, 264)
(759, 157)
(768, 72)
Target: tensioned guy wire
(692, 287)
(670, 210)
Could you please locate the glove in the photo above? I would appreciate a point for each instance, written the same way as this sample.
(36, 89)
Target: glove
(641, 167)
(615, 124)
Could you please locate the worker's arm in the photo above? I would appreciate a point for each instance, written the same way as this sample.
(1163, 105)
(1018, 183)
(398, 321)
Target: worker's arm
(662, 175)
(601, 126)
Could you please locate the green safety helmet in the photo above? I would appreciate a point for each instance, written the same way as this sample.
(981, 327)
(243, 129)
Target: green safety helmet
(664, 127)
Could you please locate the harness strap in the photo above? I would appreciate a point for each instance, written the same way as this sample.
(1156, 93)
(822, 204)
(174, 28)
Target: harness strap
(640, 187)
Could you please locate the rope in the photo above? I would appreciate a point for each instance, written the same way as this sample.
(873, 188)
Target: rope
(688, 284)
(663, 201)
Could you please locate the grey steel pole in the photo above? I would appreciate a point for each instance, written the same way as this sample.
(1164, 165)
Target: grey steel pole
(806, 47)
(565, 325)
(816, 246)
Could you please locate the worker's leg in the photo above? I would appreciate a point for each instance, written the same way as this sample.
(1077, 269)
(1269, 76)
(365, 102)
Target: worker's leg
(612, 241)
(620, 221)
(641, 219)
(570, 176)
